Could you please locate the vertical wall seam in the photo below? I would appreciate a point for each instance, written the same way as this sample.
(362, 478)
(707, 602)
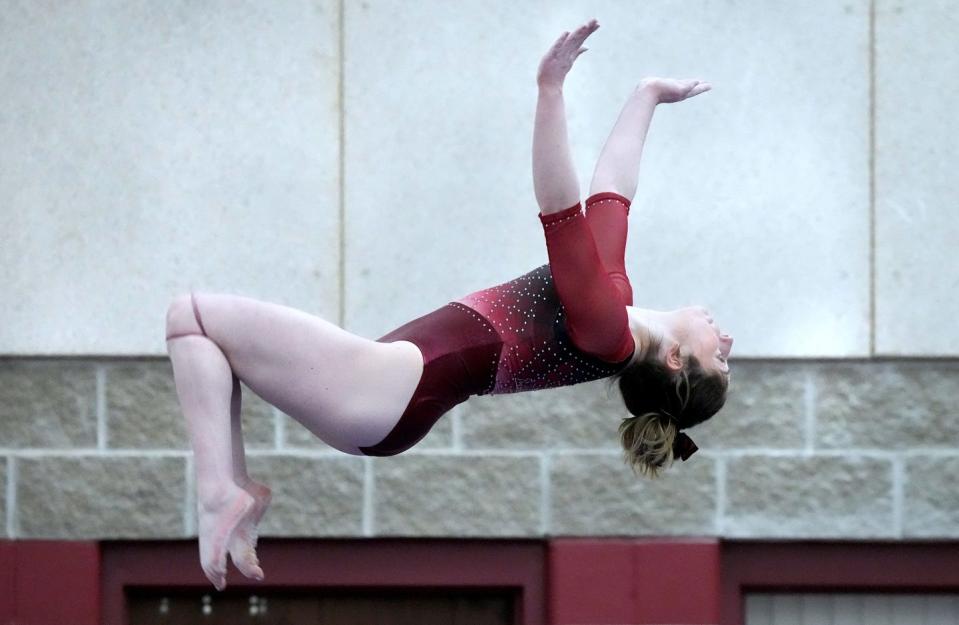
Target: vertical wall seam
(809, 399)
(11, 495)
(368, 487)
(341, 168)
(279, 429)
(457, 425)
(189, 507)
(898, 488)
(720, 495)
(101, 407)
(872, 178)
(545, 515)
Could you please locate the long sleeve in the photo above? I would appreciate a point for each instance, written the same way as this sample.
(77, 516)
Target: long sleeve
(595, 311)
(608, 217)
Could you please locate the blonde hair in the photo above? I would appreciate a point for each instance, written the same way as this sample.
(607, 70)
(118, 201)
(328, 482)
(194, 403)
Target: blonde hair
(661, 402)
(648, 441)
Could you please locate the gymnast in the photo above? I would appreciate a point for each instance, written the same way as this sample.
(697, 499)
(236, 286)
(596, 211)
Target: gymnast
(567, 322)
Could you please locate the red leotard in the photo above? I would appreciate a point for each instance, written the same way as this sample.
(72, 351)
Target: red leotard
(560, 324)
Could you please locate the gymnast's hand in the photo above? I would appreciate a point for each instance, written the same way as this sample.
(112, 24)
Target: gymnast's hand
(672, 90)
(560, 57)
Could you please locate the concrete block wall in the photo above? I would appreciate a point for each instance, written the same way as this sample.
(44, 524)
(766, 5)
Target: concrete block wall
(803, 449)
(330, 156)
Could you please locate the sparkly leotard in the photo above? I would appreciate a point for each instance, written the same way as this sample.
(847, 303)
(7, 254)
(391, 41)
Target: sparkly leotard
(560, 324)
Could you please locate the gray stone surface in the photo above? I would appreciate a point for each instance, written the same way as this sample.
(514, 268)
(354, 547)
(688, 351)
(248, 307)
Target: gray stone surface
(100, 497)
(152, 147)
(297, 436)
(593, 494)
(47, 403)
(457, 495)
(917, 190)
(809, 497)
(143, 411)
(891, 405)
(581, 416)
(930, 498)
(311, 496)
(4, 473)
(765, 407)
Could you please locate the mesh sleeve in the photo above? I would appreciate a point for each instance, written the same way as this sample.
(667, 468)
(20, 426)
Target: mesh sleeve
(595, 313)
(608, 218)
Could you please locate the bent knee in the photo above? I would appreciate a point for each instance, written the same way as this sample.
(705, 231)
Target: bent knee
(180, 318)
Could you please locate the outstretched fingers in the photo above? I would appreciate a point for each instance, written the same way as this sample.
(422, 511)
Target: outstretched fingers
(699, 87)
(578, 36)
(563, 53)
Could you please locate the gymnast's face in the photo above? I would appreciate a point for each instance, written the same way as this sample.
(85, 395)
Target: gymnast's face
(698, 335)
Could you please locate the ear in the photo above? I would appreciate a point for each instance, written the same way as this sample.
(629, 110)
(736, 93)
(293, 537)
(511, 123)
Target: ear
(674, 361)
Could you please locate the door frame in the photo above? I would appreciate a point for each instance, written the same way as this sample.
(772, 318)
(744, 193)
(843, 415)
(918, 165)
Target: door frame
(516, 566)
(833, 567)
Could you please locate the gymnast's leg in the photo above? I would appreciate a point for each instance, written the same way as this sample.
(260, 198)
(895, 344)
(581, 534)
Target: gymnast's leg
(347, 390)
(242, 545)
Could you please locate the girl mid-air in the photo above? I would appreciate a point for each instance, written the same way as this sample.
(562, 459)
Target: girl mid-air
(567, 322)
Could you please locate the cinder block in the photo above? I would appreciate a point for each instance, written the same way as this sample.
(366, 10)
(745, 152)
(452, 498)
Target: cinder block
(809, 497)
(598, 494)
(765, 407)
(47, 403)
(894, 405)
(100, 497)
(917, 277)
(143, 411)
(297, 436)
(580, 416)
(457, 495)
(311, 496)
(4, 472)
(930, 500)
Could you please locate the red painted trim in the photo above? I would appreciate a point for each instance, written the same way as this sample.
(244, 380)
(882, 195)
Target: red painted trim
(7, 581)
(371, 563)
(833, 567)
(678, 581)
(50, 582)
(590, 581)
(634, 581)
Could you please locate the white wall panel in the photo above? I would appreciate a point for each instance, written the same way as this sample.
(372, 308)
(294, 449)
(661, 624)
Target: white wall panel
(150, 147)
(851, 609)
(917, 189)
(438, 123)
(753, 198)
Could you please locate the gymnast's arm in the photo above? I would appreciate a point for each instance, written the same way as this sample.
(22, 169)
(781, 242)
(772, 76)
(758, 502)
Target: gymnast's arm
(596, 317)
(554, 177)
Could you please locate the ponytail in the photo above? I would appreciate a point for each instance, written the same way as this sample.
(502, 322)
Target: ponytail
(662, 403)
(648, 441)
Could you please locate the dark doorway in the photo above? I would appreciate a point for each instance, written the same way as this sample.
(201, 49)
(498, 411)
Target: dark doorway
(284, 607)
(362, 581)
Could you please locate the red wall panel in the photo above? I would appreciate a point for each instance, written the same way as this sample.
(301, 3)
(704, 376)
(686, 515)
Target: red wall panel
(50, 582)
(7, 582)
(637, 582)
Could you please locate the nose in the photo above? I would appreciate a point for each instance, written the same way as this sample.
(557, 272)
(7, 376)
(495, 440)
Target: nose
(726, 343)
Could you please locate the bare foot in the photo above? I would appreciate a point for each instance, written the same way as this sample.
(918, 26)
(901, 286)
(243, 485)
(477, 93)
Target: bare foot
(242, 545)
(217, 522)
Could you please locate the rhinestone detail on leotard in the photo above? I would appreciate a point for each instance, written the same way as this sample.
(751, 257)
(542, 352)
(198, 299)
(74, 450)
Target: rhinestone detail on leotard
(537, 350)
(475, 315)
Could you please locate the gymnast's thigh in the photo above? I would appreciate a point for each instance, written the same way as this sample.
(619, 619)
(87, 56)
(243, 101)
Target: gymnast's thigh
(347, 390)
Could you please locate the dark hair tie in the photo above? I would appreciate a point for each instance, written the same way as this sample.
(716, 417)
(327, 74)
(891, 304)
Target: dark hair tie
(683, 446)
